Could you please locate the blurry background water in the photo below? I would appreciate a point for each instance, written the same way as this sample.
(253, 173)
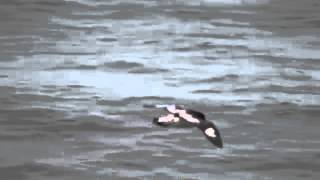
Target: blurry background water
(74, 75)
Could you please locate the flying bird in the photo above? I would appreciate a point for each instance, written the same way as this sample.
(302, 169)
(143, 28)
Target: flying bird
(178, 116)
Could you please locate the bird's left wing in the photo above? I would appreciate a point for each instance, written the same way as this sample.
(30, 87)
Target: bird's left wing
(165, 120)
(212, 133)
(171, 108)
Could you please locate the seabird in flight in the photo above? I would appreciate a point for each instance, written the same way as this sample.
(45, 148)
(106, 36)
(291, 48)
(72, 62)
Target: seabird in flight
(178, 116)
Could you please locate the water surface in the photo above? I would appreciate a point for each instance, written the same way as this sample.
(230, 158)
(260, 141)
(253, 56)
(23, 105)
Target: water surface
(74, 75)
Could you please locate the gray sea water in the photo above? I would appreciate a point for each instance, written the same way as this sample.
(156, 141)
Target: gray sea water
(74, 75)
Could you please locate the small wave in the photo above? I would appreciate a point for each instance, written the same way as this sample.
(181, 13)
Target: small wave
(123, 65)
(149, 70)
(228, 77)
(107, 39)
(314, 90)
(206, 91)
(74, 67)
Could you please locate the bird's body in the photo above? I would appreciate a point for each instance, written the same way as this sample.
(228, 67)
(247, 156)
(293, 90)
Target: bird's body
(181, 117)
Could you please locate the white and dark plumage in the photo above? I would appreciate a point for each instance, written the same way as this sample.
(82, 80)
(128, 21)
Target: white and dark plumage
(181, 117)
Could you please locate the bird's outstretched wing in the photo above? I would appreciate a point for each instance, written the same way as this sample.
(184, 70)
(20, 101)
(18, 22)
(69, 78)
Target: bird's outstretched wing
(191, 116)
(165, 120)
(212, 133)
(171, 108)
(172, 120)
(196, 114)
(188, 115)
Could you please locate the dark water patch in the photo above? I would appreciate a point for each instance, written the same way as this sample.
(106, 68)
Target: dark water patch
(155, 144)
(206, 45)
(314, 23)
(123, 65)
(229, 77)
(277, 106)
(217, 79)
(310, 111)
(108, 39)
(8, 59)
(288, 62)
(5, 91)
(182, 49)
(52, 4)
(35, 97)
(132, 155)
(85, 118)
(296, 76)
(290, 114)
(172, 84)
(105, 102)
(315, 90)
(206, 91)
(148, 98)
(18, 121)
(189, 11)
(23, 137)
(86, 67)
(76, 86)
(233, 49)
(3, 76)
(162, 175)
(151, 42)
(201, 61)
(7, 103)
(72, 67)
(134, 164)
(148, 70)
(61, 89)
(186, 13)
(71, 27)
(32, 170)
(304, 175)
(136, 100)
(216, 36)
(314, 43)
(13, 173)
(218, 48)
(316, 155)
(229, 23)
(156, 136)
(31, 116)
(90, 124)
(294, 18)
(60, 53)
(123, 14)
(194, 168)
(51, 87)
(208, 107)
(293, 164)
(211, 58)
(43, 9)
